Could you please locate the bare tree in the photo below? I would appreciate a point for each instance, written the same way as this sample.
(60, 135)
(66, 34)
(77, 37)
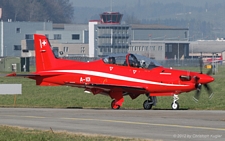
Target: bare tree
(59, 11)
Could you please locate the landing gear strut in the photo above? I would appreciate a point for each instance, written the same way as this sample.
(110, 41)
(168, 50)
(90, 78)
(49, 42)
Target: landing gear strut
(175, 104)
(149, 102)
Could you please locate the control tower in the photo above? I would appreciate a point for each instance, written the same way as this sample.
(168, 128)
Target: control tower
(107, 35)
(111, 17)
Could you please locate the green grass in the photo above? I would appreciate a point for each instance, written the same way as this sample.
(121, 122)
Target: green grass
(63, 97)
(24, 134)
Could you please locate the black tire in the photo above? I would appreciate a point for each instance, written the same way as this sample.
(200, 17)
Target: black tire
(146, 105)
(113, 106)
(175, 106)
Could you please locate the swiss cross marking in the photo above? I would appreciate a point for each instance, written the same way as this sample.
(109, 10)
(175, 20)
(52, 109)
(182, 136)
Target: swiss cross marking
(44, 43)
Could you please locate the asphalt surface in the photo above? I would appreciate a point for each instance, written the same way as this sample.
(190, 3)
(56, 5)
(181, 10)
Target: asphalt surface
(153, 124)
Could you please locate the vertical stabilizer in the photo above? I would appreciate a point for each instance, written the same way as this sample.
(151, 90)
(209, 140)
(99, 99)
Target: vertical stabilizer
(45, 58)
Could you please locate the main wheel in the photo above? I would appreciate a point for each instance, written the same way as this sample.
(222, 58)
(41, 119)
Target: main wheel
(175, 106)
(147, 105)
(113, 105)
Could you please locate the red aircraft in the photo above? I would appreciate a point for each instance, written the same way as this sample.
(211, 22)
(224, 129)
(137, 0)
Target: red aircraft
(215, 60)
(115, 76)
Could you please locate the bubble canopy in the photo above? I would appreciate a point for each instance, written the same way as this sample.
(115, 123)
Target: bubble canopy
(131, 60)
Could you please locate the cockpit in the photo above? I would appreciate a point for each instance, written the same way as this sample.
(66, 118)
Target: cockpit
(131, 60)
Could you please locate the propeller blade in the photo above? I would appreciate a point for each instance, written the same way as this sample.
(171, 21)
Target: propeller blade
(209, 90)
(197, 94)
(198, 85)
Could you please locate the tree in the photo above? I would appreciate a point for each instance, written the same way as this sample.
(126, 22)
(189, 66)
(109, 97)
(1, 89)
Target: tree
(58, 11)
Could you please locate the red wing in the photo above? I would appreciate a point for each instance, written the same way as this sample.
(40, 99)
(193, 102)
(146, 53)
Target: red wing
(132, 91)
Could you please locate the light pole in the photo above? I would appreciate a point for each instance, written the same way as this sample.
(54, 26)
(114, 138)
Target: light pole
(149, 48)
(6, 51)
(217, 63)
(178, 51)
(2, 44)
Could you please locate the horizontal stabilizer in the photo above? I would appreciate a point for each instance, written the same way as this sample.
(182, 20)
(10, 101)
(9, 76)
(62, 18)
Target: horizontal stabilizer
(21, 75)
(29, 75)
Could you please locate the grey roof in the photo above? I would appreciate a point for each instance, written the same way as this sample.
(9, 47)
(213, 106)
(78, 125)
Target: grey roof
(207, 46)
(154, 27)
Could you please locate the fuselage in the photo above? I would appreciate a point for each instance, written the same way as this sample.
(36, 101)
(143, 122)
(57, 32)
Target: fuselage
(159, 80)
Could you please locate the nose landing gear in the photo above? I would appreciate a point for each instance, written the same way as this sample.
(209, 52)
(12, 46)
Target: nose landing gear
(175, 104)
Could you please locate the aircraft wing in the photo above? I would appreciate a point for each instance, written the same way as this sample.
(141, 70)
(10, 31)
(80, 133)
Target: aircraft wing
(124, 87)
(132, 91)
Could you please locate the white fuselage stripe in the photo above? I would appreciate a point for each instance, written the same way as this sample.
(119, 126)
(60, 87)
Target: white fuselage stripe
(113, 76)
(166, 73)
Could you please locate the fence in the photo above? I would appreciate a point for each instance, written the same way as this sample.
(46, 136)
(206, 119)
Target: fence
(165, 63)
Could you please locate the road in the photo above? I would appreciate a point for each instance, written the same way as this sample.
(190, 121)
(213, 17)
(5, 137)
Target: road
(153, 124)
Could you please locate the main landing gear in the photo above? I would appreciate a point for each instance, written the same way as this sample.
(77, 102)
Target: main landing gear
(117, 95)
(149, 102)
(114, 105)
(175, 104)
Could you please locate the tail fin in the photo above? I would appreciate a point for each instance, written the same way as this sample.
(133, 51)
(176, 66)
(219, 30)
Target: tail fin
(45, 58)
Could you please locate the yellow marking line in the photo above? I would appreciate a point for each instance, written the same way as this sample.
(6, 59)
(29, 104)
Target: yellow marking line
(129, 122)
(23, 116)
(151, 124)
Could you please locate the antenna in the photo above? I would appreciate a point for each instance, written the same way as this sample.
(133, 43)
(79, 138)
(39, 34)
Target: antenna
(111, 5)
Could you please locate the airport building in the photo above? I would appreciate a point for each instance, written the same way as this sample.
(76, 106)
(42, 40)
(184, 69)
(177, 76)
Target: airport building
(12, 33)
(98, 38)
(207, 48)
(68, 40)
(102, 37)
(159, 42)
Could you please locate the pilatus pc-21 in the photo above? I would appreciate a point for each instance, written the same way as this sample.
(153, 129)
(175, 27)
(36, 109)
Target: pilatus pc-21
(115, 76)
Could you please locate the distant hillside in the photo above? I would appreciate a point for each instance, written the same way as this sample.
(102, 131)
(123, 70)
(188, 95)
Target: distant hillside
(204, 18)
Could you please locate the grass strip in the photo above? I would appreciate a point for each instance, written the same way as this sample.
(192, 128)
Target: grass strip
(71, 97)
(9, 133)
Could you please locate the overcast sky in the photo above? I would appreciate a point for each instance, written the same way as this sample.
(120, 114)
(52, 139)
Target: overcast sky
(107, 3)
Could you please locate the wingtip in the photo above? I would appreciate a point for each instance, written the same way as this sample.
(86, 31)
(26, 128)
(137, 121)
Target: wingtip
(11, 74)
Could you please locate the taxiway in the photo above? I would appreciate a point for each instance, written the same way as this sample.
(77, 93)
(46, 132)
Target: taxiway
(153, 124)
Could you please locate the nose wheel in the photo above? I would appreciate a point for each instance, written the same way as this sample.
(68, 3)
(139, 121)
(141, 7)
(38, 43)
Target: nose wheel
(175, 105)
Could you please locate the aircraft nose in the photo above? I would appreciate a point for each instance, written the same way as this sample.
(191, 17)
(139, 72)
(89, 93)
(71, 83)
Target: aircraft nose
(204, 79)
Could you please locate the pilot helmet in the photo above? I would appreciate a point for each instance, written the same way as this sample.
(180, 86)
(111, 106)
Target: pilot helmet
(142, 62)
